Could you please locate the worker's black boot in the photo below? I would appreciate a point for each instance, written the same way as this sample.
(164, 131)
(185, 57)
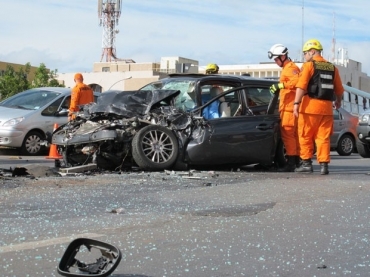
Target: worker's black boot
(290, 166)
(324, 168)
(305, 167)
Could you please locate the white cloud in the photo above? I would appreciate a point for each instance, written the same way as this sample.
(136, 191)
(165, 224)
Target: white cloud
(65, 35)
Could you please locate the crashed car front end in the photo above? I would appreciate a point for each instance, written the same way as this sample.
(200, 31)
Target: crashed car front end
(104, 142)
(104, 133)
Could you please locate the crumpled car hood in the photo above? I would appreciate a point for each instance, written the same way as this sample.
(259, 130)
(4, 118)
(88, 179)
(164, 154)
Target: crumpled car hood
(130, 103)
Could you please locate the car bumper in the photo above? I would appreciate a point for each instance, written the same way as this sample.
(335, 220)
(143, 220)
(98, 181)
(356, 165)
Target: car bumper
(84, 138)
(11, 138)
(363, 133)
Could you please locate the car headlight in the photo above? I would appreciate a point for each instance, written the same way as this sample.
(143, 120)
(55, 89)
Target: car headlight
(13, 121)
(364, 118)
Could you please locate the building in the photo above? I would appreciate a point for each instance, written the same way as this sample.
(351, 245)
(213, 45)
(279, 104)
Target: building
(123, 75)
(128, 75)
(17, 67)
(350, 72)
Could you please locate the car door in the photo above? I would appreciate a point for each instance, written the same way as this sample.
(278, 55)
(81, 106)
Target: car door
(338, 126)
(52, 116)
(236, 139)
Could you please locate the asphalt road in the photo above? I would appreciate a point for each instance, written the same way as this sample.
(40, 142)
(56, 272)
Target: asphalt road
(237, 222)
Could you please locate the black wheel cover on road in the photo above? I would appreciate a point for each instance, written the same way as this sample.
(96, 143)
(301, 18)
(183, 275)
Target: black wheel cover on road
(345, 146)
(363, 149)
(31, 145)
(155, 148)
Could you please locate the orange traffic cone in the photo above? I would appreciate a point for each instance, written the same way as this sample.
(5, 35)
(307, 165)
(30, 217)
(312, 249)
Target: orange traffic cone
(53, 152)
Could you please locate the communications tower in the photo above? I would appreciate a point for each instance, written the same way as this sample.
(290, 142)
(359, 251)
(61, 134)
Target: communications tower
(109, 12)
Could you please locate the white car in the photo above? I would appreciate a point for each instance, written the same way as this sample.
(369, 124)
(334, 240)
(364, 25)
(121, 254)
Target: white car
(26, 117)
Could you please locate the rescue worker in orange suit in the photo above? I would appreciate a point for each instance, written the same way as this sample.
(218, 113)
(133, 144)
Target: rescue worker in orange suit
(286, 88)
(319, 84)
(81, 95)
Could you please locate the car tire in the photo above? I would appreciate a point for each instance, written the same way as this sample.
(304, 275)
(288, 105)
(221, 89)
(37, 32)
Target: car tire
(155, 148)
(31, 145)
(345, 145)
(363, 149)
(280, 154)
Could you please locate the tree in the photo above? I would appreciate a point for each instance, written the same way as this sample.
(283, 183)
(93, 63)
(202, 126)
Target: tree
(13, 82)
(45, 78)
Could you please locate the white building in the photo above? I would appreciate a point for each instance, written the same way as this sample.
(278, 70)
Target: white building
(121, 75)
(350, 72)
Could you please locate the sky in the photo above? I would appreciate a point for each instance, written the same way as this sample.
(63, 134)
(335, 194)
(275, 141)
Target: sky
(66, 36)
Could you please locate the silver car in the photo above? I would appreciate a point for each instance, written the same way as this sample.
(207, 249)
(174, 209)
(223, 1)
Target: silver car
(363, 134)
(344, 136)
(26, 118)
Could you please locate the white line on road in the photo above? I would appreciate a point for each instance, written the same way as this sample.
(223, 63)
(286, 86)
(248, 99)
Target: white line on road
(47, 242)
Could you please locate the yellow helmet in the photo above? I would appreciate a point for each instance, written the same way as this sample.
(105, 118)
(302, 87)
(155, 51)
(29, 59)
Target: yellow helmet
(212, 68)
(312, 44)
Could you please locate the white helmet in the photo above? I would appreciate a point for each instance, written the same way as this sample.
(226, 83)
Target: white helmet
(277, 50)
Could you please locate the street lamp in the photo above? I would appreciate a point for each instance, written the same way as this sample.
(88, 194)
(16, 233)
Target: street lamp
(120, 81)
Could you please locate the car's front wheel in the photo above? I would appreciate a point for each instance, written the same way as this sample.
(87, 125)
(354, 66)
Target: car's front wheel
(363, 149)
(345, 146)
(155, 148)
(280, 154)
(31, 145)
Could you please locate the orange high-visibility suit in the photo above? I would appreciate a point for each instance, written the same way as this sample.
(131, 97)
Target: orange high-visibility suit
(315, 120)
(81, 94)
(288, 126)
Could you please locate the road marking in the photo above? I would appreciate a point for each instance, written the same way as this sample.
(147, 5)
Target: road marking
(15, 158)
(47, 242)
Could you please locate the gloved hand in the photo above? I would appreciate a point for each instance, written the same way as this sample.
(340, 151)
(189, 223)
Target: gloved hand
(276, 87)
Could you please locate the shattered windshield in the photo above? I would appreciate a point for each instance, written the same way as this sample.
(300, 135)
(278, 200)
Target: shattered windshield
(186, 100)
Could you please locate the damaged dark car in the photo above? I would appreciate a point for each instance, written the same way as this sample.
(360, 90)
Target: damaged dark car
(146, 129)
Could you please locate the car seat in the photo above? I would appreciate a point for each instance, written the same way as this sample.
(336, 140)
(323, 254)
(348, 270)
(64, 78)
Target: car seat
(223, 106)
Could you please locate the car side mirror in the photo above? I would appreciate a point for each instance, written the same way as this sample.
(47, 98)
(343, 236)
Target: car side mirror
(104, 258)
(63, 112)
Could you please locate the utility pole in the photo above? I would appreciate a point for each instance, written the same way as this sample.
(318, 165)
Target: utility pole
(333, 41)
(302, 56)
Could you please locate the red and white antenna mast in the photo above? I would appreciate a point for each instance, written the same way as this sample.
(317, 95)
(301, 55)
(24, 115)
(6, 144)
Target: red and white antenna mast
(109, 11)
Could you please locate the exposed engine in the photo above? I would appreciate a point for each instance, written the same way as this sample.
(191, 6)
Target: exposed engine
(106, 138)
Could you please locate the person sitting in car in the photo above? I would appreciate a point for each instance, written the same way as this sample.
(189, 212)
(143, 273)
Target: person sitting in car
(218, 108)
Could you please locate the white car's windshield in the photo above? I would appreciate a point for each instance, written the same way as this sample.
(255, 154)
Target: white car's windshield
(30, 100)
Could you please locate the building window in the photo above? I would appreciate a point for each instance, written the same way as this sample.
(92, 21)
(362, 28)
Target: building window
(105, 69)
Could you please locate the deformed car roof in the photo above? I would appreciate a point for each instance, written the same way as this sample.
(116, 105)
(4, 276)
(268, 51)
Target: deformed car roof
(130, 103)
(221, 77)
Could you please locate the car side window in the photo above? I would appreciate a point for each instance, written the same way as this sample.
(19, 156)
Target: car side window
(233, 101)
(52, 108)
(67, 101)
(206, 91)
(336, 115)
(229, 105)
(184, 101)
(258, 96)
